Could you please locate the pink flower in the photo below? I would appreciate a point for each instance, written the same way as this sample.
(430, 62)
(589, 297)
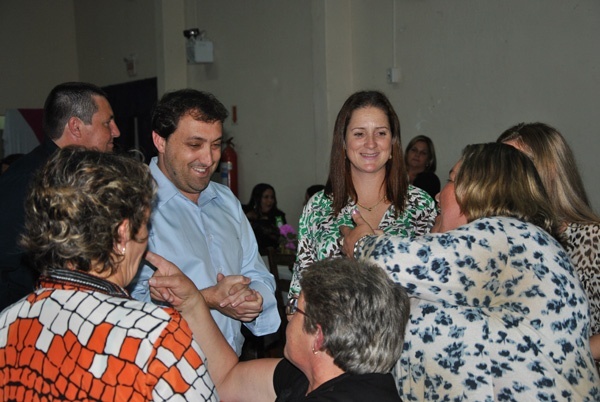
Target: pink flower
(286, 230)
(289, 239)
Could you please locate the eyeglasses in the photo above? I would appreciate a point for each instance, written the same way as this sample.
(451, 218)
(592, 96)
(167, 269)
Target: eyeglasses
(292, 307)
(419, 152)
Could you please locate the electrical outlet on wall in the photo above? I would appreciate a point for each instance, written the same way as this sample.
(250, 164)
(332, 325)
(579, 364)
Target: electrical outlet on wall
(131, 64)
(394, 76)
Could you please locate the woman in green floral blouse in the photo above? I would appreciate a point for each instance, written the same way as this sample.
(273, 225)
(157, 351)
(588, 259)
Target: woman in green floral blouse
(367, 173)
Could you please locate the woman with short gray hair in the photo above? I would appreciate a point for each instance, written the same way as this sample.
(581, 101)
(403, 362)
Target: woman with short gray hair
(345, 333)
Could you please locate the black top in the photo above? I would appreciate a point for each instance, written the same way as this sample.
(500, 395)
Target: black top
(291, 384)
(429, 182)
(266, 229)
(16, 279)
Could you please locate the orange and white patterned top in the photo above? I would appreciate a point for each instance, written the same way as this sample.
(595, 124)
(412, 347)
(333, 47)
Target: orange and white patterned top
(82, 338)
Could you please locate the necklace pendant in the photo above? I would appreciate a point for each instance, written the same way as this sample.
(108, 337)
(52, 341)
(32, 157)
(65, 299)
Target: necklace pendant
(371, 208)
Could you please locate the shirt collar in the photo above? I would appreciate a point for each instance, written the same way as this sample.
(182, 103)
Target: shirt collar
(207, 195)
(167, 190)
(59, 278)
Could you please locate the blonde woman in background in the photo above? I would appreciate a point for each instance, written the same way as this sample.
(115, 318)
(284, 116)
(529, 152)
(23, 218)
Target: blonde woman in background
(580, 225)
(497, 311)
(421, 164)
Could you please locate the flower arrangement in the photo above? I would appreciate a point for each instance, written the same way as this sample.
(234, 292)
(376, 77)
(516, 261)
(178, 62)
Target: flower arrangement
(288, 239)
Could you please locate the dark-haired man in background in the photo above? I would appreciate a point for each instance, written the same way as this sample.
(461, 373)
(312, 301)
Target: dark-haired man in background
(75, 113)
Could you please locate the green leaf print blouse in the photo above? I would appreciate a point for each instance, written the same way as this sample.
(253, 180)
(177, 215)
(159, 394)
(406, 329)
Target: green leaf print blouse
(319, 229)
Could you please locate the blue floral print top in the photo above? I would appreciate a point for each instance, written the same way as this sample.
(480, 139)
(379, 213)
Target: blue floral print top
(498, 314)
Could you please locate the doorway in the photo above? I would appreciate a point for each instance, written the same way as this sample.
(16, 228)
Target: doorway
(132, 104)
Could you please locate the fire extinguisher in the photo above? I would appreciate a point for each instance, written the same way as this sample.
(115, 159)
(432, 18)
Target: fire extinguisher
(229, 168)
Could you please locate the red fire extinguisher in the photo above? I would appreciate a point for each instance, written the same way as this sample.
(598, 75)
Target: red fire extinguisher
(229, 168)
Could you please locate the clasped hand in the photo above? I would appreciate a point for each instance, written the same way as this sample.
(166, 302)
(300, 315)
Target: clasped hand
(231, 295)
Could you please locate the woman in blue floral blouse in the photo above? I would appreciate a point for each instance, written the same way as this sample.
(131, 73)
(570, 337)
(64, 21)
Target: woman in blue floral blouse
(555, 162)
(498, 311)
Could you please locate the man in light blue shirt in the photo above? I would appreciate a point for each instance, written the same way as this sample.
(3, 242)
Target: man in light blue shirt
(199, 225)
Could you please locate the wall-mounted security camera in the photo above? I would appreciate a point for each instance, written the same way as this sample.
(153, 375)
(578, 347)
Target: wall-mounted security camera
(191, 33)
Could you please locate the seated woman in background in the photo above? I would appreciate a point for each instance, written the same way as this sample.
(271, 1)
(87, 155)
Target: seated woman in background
(499, 312)
(580, 226)
(421, 164)
(80, 336)
(264, 216)
(366, 172)
(344, 335)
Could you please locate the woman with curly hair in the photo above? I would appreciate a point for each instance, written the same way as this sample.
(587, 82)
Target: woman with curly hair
(79, 335)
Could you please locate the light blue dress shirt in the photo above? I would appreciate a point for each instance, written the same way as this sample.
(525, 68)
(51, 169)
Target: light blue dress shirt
(203, 239)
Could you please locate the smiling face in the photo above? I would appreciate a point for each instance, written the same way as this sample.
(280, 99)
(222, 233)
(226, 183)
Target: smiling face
(450, 216)
(417, 156)
(99, 135)
(368, 141)
(190, 155)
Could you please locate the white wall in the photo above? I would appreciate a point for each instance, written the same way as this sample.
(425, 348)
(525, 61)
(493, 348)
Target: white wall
(263, 65)
(470, 69)
(476, 68)
(109, 31)
(37, 39)
(45, 43)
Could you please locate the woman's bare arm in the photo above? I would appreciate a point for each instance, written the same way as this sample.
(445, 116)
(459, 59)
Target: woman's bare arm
(595, 346)
(250, 381)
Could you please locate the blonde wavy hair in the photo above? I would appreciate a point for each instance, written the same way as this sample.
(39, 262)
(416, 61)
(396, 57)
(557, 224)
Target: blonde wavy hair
(75, 206)
(496, 179)
(556, 165)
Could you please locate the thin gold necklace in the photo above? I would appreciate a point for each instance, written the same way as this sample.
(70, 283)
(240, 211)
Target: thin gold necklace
(369, 209)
